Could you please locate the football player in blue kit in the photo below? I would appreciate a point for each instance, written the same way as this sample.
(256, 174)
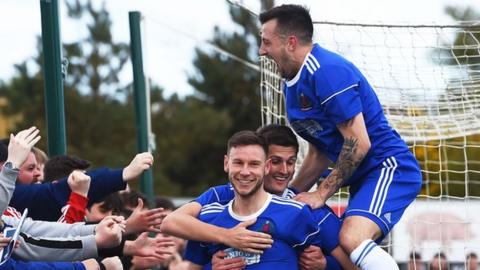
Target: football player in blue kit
(292, 225)
(330, 104)
(282, 154)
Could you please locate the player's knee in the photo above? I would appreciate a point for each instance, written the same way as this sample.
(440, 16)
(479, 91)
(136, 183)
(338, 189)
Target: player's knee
(351, 237)
(348, 241)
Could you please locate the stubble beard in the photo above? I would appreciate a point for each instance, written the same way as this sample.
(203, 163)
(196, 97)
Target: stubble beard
(285, 70)
(252, 192)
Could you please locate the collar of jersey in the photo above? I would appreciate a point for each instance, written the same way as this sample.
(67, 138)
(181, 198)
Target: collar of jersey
(293, 81)
(252, 216)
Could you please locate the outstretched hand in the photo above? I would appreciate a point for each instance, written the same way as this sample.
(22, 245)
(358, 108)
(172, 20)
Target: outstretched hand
(140, 163)
(220, 263)
(311, 198)
(145, 246)
(108, 233)
(21, 144)
(145, 220)
(250, 241)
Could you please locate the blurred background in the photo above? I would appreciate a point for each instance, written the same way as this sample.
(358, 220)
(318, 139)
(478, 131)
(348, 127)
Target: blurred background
(199, 94)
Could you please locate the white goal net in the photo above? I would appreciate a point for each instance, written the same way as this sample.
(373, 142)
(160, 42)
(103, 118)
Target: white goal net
(427, 78)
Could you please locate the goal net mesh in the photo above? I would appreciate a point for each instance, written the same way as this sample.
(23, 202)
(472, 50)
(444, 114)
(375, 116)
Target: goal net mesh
(427, 78)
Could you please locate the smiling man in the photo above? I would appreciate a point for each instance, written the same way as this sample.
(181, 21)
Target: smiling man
(291, 224)
(282, 154)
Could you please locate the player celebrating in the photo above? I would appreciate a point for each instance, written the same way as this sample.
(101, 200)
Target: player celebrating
(331, 105)
(292, 225)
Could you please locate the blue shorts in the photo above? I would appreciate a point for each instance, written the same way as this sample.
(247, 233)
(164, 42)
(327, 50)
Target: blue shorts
(386, 191)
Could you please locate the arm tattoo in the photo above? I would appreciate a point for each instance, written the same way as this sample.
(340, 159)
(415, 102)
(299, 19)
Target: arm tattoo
(347, 163)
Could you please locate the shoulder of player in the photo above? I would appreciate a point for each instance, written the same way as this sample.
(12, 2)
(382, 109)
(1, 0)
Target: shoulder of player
(287, 203)
(222, 187)
(289, 193)
(213, 208)
(222, 191)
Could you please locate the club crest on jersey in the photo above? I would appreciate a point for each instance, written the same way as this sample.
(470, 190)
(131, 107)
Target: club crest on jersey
(305, 102)
(268, 227)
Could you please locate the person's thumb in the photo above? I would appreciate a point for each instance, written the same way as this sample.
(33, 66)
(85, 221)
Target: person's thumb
(139, 205)
(247, 223)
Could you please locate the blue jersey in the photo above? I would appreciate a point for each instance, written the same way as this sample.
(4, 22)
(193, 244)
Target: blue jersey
(291, 224)
(329, 90)
(225, 193)
(326, 219)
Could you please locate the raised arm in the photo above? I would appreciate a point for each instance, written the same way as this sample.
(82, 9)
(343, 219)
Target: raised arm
(183, 223)
(45, 201)
(19, 147)
(314, 164)
(75, 209)
(106, 181)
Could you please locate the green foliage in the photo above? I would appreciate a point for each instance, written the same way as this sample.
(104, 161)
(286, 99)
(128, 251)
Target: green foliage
(226, 84)
(191, 132)
(95, 60)
(227, 98)
(190, 144)
(465, 44)
(99, 127)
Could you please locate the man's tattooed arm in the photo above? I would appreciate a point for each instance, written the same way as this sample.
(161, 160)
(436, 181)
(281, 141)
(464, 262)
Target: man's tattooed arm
(347, 163)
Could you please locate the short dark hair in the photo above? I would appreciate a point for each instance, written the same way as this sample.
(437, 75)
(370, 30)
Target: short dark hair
(164, 202)
(471, 255)
(130, 198)
(440, 255)
(61, 166)
(112, 202)
(279, 135)
(246, 137)
(415, 255)
(291, 19)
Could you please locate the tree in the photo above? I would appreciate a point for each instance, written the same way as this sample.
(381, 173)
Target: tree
(89, 86)
(466, 42)
(227, 99)
(226, 84)
(191, 132)
(190, 145)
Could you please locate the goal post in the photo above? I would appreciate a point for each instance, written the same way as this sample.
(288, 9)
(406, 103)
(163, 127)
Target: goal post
(427, 78)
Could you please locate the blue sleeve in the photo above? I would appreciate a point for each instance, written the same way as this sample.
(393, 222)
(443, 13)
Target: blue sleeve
(21, 265)
(223, 193)
(332, 263)
(329, 225)
(196, 253)
(45, 201)
(337, 89)
(104, 182)
(303, 229)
